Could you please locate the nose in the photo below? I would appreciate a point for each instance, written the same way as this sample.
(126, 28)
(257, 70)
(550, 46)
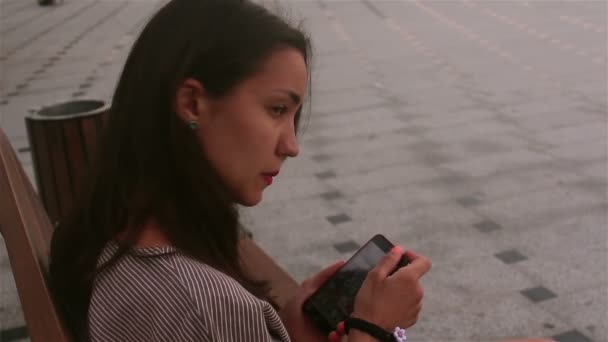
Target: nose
(288, 145)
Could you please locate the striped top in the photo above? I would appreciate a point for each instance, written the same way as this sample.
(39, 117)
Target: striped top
(160, 294)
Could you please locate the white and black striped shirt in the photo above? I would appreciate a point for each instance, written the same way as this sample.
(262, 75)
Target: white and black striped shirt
(160, 294)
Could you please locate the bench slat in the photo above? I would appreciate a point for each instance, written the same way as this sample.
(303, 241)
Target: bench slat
(26, 231)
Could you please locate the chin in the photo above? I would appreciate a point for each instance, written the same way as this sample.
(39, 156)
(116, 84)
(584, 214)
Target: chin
(250, 200)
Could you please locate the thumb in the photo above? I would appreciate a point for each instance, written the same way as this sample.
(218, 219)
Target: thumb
(389, 262)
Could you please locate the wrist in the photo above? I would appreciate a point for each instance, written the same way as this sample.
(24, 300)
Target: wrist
(374, 331)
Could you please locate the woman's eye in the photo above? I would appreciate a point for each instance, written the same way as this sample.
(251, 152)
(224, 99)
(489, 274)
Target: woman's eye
(279, 110)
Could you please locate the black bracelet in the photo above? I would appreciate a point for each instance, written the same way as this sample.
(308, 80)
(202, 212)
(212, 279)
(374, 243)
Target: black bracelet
(368, 328)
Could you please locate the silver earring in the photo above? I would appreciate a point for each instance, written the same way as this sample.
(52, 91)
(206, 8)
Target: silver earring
(192, 125)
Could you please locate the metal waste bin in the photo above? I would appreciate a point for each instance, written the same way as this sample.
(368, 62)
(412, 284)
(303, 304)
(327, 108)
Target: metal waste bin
(63, 138)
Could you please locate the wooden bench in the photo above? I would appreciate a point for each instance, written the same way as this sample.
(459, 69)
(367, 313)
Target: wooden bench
(27, 231)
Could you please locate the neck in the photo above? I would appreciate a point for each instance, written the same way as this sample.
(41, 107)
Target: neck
(150, 235)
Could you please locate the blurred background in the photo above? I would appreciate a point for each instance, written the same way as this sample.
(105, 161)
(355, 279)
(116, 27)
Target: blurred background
(473, 132)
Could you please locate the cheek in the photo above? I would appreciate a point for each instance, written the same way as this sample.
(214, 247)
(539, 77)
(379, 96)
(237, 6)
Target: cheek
(234, 151)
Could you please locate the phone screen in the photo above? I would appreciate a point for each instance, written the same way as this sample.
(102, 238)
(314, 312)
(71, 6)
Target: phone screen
(334, 300)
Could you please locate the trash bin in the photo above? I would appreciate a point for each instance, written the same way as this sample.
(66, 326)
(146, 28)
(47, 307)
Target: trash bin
(63, 138)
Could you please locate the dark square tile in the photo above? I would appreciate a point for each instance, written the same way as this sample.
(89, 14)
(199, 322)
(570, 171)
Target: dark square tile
(22, 86)
(511, 256)
(347, 246)
(78, 93)
(571, 336)
(85, 85)
(39, 71)
(538, 294)
(24, 149)
(14, 93)
(321, 157)
(326, 175)
(13, 334)
(4, 102)
(331, 195)
(487, 226)
(337, 219)
(468, 201)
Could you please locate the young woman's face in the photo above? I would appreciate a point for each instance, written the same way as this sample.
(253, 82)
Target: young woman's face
(251, 131)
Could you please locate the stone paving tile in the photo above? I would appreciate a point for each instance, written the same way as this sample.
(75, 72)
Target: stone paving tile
(590, 150)
(279, 214)
(332, 195)
(531, 178)
(349, 246)
(325, 175)
(372, 143)
(468, 201)
(362, 129)
(510, 256)
(538, 294)
(574, 133)
(381, 178)
(498, 316)
(487, 226)
(499, 162)
(520, 211)
(344, 118)
(578, 306)
(571, 336)
(338, 219)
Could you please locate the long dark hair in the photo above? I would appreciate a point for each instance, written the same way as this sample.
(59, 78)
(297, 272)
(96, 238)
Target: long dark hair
(149, 164)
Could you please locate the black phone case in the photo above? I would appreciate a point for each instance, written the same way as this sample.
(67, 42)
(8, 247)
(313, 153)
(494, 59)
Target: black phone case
(311, 310)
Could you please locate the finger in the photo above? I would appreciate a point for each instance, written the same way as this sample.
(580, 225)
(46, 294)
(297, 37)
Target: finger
(389, 262)
(419, 265)
(411, 255)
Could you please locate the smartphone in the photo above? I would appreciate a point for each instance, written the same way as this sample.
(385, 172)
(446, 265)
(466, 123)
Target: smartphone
(333, 301)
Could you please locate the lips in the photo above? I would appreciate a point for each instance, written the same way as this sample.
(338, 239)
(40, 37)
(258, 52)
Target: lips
(271, 174)
(268, 176)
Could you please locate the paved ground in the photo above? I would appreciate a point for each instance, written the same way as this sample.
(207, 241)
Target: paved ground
(473, 132)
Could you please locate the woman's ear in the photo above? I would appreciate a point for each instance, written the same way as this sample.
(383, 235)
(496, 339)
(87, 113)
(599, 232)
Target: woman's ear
(191, 102)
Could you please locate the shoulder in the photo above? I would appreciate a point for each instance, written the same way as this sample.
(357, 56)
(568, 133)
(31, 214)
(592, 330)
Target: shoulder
(166, 280)
(208, 286)
(226, 307)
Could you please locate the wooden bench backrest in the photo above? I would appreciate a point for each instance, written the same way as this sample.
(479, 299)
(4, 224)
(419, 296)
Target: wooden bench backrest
(27, 232)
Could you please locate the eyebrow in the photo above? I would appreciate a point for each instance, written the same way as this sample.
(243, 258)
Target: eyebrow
(292, 95)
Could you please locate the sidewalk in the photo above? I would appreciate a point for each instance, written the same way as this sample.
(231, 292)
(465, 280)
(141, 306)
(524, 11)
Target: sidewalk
(472, 132)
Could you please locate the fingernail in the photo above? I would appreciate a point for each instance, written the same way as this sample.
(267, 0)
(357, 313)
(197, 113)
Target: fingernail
(334, 337)
(397, 250)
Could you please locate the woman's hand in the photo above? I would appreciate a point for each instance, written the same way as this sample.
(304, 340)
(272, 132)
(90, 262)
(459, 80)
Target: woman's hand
(299, 326)
(392, 300)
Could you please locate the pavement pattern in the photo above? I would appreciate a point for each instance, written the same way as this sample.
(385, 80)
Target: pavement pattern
(473, 132)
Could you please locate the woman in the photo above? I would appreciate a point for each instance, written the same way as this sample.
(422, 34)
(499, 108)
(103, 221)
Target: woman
(204, 114)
